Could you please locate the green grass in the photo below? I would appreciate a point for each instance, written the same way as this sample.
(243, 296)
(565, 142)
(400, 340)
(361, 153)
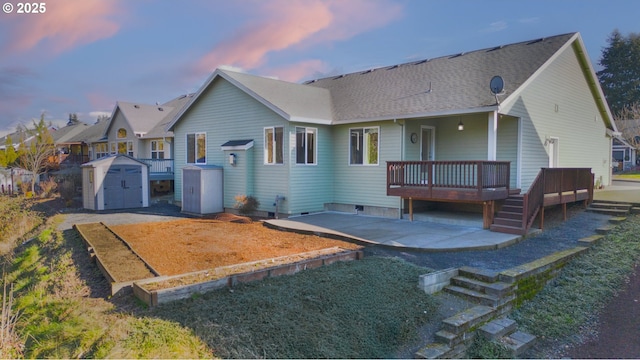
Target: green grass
(359, 309)
(584, 286)
(58, 318)
(628, 176)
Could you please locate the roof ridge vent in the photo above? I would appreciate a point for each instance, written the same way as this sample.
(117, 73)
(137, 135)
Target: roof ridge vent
(456, 55)
(366, 71)
(496, 48)
(420, 62)
(392, 67)
(160, 109)
(338, 77)
(136, 106)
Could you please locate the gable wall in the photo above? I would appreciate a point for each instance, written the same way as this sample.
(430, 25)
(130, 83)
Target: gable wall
(577, 122)
(225, 113)
(112, 134)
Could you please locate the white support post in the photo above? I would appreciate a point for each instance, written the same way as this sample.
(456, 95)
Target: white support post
(492, 136)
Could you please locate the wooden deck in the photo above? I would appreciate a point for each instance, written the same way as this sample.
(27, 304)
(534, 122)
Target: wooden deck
(450, 181)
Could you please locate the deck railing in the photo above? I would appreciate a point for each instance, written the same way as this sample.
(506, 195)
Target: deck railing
(159, 166)
(478, 174)
(556, 181)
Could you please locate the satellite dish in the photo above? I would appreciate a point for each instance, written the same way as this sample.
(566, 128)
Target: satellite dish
(496, 85)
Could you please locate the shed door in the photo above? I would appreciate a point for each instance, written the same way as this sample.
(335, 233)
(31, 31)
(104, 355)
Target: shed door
(123, 187)
(191, 191)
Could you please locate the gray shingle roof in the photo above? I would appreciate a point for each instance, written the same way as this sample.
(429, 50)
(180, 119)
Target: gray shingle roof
(142, 117)
(296, 102)
(445, 84)
(175, 105)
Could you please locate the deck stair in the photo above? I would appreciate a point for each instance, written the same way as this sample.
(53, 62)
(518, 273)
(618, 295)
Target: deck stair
(509, 218)
(610, 208)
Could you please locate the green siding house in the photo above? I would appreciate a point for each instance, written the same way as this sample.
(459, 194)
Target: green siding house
(337, 143)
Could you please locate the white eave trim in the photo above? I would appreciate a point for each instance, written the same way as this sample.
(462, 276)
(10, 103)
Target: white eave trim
(433, 114)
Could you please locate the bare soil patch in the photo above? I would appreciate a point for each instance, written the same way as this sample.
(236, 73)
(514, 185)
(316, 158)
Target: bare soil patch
(189, 245)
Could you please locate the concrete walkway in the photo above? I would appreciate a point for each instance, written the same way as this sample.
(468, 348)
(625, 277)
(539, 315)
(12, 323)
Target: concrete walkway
(620, 191)
(416, 235)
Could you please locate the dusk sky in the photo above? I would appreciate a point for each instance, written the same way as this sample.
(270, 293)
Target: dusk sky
(81, 56)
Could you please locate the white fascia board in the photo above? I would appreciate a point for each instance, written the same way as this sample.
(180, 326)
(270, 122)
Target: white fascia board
(433, 114)
(311, 120)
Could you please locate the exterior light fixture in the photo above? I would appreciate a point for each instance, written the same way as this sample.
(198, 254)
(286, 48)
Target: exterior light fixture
(460, 126)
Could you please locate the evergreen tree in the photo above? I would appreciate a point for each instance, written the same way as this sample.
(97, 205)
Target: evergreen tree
(8, 156)
(620, 76)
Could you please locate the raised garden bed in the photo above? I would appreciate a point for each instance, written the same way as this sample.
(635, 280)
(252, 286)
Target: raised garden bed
(165, 289)
(133, 252)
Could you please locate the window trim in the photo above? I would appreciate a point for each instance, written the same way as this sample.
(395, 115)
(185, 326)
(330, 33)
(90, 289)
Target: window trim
(158, 152)
(195, 149)
(307, 130)
(275, 146)
(365, 146)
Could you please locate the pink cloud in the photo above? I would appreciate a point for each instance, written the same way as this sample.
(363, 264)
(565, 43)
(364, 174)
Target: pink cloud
(299, 71)
(100, 101)
(288, 23)
(65, 24)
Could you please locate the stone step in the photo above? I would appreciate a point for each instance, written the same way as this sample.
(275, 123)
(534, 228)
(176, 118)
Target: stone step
(447, 338)
(606, 205)
(613, 212)
(603, 230)
(467, 319)
(497, 328)
(498, 289)
(474, 296)
(590, 240)
(635, 210)
(618, 219)
(518, 342)
(488, 276)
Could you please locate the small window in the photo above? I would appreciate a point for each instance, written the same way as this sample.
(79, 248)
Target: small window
(122, 133)
(306, 145)
(101, 150)
(196, 148)
(363, 146)
(273, 145)
(157, 149)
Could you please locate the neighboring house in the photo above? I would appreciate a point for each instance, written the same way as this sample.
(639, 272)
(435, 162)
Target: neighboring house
(624, 155)
(138, 131)
(354, 142)
(71, 150)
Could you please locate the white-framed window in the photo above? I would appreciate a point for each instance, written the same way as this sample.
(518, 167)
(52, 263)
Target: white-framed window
(112, 148)
(157, 149)
(197, 148)
(101, 150)
(363, 145)
(306, 148)
(122, 147)
(273, 145)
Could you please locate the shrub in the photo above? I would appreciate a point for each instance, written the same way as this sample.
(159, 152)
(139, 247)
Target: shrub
(25, 188)
(48, 187)
(67, 190)
(246, 204)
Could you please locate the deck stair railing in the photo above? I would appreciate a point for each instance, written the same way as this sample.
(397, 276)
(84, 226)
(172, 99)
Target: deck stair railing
(561, 183)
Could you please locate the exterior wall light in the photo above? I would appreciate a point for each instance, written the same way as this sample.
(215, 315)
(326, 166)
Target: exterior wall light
(460, 126)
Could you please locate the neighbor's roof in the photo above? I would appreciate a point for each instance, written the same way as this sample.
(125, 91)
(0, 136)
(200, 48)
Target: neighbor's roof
(175, 105)
(445, 85)
(67, 134)
(142, 117)
(94, 133)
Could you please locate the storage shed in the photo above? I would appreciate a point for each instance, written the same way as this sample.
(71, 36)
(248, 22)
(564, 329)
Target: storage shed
(202, 189)
(115, 182)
